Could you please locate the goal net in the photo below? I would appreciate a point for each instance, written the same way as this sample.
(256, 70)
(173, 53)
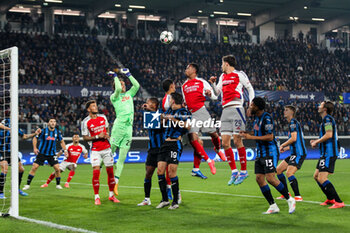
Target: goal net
(9, 138)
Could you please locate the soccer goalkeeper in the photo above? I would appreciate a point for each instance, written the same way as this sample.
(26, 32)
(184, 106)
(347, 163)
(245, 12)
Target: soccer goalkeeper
(123, 104)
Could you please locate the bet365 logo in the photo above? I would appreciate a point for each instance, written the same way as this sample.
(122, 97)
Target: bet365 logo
(151, 120)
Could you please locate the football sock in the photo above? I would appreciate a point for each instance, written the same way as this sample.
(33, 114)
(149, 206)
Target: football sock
(282, 178)
(96, 181)
(58, 180)
(196, 160)
(110, 179)
(216, 142)
(70, 176)
(20, 175)
(230, 158)
(267, 194)
(168, 181)
(116, 179)
(123, 152)
(162, 187)
(200, 150)
(328, 187)
(283, 190)
(242, 158)
(29, 179)
(147, 187)
(175, 189)
(50, 178)
(324, 191)
(2, 182)
(97, 196)
(195, 169)
(294, 184)
(111, 193)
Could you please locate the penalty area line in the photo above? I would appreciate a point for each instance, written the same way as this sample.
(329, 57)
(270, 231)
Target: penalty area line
(54, 225)
(200, 192)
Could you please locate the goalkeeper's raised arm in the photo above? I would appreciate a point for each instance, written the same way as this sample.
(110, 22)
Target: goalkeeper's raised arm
(135, 84)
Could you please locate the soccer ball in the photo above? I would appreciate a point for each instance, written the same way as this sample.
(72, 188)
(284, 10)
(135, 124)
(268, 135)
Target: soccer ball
(166, 37)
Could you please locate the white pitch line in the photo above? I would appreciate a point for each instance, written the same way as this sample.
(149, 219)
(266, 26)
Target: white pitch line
(201, 192)
(54, 225)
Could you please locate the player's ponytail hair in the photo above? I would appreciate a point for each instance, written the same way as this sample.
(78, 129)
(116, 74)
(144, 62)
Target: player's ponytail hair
(230, 59)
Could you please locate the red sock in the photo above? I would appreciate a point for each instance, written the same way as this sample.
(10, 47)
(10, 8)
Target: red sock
(216, 142)
(70, 176)
(111, 180)
(96, 180)
(196, 160)
(200, 150)
(50, 178)
(230, 158)
(167, 178)
(242, 158)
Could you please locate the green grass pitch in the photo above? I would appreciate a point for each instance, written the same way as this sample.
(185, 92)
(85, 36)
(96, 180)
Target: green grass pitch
(208, 205)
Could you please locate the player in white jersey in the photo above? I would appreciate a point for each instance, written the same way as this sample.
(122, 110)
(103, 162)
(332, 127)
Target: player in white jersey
(233, 120)
(75, 149)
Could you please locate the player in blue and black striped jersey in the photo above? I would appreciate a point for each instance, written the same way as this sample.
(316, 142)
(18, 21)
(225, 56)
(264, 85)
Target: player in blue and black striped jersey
(267, 155)
(328, 143)
(175, 122)
(5, 154)
(296, 145)
(47, 151)
(156, 139)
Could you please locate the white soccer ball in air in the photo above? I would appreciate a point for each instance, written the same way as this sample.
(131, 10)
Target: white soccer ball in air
(166, 37)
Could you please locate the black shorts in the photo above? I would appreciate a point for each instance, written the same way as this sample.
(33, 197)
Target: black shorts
(40, 159)
(326, 164)
(170, 152)
(7, 157)
(294, 160)
(152, 157)
(265, 165)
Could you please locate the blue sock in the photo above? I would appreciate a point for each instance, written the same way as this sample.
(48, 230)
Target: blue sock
(325, 183)
(291, 178)
(283, 190)
(174, 179)
(267, 194)
(58, 180)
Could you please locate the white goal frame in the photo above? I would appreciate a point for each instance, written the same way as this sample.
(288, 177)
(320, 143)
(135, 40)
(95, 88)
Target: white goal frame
(13, 54)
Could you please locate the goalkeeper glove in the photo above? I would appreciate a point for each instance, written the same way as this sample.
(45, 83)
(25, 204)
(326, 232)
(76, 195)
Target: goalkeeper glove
(125, 71)
(112, 74)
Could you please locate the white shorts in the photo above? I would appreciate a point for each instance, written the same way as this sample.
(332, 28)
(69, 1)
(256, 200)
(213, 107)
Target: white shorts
(232, 120)
(96, 157)
(201, 115)
(64, 164)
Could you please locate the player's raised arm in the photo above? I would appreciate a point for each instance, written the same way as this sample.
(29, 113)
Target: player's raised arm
(243, 78)
(208, 91)
(217, 88)
(117, 86)
(27, 136)
(135, 84)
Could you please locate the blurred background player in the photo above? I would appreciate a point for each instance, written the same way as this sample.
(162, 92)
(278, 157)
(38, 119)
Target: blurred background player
(168, 87)
(94, 129)
(296, 145)
(123, 104)
(171, 149)
(195, 91)
(5, 156)
(267, 155)
(156, 139)
(75, 149)
(233, 120)
(328, 142)
(47, 151)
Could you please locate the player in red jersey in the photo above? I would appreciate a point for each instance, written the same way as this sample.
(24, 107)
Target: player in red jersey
(195, 91)
(74, 151)
(231, 84)
(95, 131)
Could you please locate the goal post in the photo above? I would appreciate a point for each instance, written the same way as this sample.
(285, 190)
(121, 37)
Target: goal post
(9, 109)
